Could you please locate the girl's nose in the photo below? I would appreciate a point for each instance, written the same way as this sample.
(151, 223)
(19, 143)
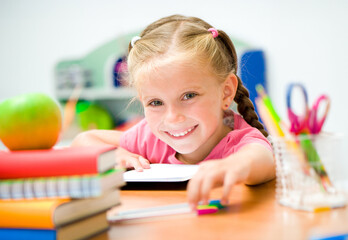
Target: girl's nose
(174, 115)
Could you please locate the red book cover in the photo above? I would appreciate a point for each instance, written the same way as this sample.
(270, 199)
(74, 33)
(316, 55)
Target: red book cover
(56, 162)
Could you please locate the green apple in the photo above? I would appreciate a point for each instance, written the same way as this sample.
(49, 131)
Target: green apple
(30, 121)
(93, 116)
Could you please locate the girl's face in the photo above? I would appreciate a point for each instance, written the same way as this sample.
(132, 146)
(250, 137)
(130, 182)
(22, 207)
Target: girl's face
(183, 107)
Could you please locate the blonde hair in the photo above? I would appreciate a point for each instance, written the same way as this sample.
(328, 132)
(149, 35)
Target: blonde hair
(179, 37)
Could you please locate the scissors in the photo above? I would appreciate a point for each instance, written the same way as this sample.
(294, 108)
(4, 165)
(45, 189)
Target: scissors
(309, 121)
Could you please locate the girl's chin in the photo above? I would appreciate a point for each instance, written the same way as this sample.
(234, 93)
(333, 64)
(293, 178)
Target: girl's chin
(183, 149)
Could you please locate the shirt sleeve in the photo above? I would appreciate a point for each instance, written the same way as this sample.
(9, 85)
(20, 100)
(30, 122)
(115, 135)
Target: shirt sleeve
(140, 140)
(131, 139)
(244, 134)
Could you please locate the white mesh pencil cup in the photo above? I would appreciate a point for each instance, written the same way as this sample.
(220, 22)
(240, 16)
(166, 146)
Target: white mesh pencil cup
(300, 182)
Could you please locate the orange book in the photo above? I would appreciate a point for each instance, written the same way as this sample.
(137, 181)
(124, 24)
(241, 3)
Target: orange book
(29, 214)
(52, 213)
(81, 229)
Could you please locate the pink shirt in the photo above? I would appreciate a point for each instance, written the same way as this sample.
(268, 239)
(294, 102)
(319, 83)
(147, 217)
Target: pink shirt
(140, 140)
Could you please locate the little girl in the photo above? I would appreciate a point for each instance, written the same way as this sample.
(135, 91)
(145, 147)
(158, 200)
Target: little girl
(184, 71)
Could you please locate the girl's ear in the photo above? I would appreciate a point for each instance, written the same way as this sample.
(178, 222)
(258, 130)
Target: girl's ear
(229, 90)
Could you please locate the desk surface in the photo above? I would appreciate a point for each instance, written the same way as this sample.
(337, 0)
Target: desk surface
(253, 213)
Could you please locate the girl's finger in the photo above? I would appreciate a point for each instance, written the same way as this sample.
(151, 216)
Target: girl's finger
(229, 182)
(211, 180)
(144, 162)
(206, 187)
(120, 162)
(193, 190)
(134, 162)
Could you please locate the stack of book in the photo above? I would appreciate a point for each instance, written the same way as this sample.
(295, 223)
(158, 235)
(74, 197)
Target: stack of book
(58, 193)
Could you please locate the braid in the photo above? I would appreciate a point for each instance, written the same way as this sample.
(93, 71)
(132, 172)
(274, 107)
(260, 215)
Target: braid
(246, 108)
(242, 98)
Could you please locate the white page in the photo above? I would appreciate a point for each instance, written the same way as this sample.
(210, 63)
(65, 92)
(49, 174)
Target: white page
(162, 173)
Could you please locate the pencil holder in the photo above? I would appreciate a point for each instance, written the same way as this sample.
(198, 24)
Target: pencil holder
(306, 170)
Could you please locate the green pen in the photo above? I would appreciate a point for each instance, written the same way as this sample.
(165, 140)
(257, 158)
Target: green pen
(313, 159)
(268, 103)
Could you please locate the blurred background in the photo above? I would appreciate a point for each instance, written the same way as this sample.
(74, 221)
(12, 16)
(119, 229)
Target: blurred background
(43, 44)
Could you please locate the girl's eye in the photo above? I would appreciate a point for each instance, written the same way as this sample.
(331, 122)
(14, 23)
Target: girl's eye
(189, 95)
(156, 103)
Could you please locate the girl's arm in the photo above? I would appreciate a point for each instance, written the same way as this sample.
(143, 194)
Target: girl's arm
(97, 137)
(111, 137)
(252, 164)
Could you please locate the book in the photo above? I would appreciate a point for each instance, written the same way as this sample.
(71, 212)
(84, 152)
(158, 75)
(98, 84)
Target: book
(81, 229)
(162, 173)
(79, 186)
(53, 213)
(56, 162)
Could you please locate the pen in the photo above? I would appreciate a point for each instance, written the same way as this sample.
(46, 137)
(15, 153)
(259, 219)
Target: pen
(268, 103)
(270, 123)
(315, 162)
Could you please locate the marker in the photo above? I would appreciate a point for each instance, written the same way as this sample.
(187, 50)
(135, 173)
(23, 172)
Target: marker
(268, 103)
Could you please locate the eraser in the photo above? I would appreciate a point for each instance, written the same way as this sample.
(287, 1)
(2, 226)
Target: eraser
(217, 204)
(206, 209)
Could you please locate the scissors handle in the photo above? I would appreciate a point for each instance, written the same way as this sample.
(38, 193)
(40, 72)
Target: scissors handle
(315, 124)
(297, 123)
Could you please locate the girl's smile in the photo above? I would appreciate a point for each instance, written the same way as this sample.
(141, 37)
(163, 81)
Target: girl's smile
(180, 133)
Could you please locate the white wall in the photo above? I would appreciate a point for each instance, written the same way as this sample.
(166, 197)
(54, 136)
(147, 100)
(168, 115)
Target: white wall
(304, 40)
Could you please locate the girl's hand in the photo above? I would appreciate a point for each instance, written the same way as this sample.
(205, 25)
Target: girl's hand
(131, 160)
(215, 173)
(252, 164)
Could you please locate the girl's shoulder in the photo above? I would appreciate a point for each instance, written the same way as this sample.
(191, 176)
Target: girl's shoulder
(243, 134)
(141, 130)
(139, 139)
(234, 120)
(239, 122)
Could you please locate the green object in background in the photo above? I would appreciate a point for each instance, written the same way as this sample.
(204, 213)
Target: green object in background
(94, 69)
(93, 116)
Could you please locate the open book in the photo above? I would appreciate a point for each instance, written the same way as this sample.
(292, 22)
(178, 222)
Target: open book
(162, 173)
